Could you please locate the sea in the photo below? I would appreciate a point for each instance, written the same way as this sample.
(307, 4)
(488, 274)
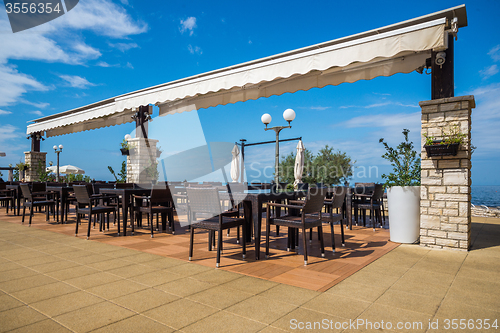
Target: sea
(487, 195)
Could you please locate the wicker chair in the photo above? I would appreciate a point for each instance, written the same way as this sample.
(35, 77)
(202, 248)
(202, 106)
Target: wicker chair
(206, 201)
(7, 196)
(86, 205)
(32, 203)
(310, 217)
(158, 202)
(374, 204)
(336, 203)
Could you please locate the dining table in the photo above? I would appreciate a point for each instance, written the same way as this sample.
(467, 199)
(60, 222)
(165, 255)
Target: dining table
(63, 192)
(253, 206)
(126, 198)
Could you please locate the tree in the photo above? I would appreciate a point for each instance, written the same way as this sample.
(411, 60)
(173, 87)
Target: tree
(405, 162)
(327, 167)
(122, 174)
(332, 167)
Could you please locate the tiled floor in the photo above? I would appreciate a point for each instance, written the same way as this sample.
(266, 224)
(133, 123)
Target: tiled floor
(363, 246)
(50, 282)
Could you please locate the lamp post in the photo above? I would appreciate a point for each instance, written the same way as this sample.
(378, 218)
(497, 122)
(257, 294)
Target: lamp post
(266, 118)
(58, 152)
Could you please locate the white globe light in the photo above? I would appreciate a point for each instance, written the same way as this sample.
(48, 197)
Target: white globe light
(55, 147)
(128, 137)
(61, 147)
(266, 118)
(289, 115)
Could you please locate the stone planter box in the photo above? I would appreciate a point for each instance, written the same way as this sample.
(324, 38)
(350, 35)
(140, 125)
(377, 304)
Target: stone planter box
(440, 149)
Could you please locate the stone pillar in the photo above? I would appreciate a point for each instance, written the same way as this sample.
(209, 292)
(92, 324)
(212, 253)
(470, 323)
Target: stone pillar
(142, 152)
(445, 205)
(33, 158)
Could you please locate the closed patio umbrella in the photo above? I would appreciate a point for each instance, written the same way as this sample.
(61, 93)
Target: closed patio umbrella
(235, 164)
(299, 164)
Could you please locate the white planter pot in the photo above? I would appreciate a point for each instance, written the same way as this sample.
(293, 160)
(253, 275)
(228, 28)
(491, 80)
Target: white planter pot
(404, 213)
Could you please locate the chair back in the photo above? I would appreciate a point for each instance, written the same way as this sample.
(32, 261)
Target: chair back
(204, 200)
(38, 187)
(338, 197)
(124, 185)
(315, 200)
(363, 188)
(161, 195)
(81, 194)
(25, 188)
(378, 192)
(96, 187)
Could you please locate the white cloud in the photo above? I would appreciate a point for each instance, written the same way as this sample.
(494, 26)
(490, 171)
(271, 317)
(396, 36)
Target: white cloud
(8, 132)
(489, 71)
(41, 105)
(129, 65)
(194, 49)
(76, 81)
(13, 84)
(101, 16)
(85, 51)
(56, 41)
(377, 105)
(103, 64)
(494, 53)
(124, 46)
(37, 113)
(382, 120)
(3, 112)
(486, 121)
(188, 25)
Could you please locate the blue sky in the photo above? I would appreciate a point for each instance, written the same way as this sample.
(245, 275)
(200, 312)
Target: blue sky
(105, 48)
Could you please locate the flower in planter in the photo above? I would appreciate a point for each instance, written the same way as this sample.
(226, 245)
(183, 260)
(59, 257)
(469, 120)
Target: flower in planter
(452, 137)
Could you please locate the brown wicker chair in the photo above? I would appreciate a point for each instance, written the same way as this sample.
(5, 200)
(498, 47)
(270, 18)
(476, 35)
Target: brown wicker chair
(310, 217)
(7, 196)
(32, 203)
(373, 203)
(158, 202)
(336, 203)
(206, 201)
(86, 205)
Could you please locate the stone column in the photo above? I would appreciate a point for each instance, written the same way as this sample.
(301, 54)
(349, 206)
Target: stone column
(445, 205)
(142, 153)
(33, 158)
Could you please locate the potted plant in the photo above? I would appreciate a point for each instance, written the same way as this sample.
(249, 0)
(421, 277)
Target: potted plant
(152, 171)
(403, 191)
(158, 152)
(126, 148)
(447, 146)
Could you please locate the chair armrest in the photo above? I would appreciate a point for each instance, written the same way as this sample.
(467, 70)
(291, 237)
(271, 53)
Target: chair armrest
(296, 202)
(146, 197)
(284, 206)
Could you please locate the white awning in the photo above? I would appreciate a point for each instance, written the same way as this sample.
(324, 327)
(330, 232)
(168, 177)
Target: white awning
(399, 48)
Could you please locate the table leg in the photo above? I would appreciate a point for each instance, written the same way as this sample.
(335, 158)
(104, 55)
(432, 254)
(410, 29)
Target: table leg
(247, 211)
(257, 227)
(125, 213)
(349, 209)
